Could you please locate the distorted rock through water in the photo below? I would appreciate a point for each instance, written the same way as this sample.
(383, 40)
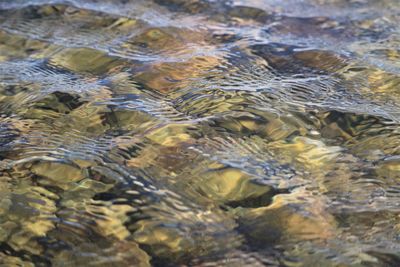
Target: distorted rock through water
(199, 133)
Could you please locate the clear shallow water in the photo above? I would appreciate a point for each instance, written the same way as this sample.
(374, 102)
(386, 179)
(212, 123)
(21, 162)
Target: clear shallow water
(200, 133)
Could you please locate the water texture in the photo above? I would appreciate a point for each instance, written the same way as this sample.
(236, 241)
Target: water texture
(199, 133)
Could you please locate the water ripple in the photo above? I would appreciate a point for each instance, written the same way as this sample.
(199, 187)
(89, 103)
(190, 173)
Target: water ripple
(199, 133)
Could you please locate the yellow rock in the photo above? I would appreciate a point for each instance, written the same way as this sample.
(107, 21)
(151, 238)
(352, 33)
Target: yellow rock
(5, 203)
(14, 46)
(182, 44)
(389, 169)
(230, 184)
(146, 158)
(47, 10)
(34, 216)
(250, 124)
(83, 163)
(156, 38)
(170, 135)
(168, 39)
(7, 260)
(86, 119)
(124, 25)
(57, 171)
(6, 229)
(380, 81)
(130, 120)
(38, 227)
(296, 216)
(173, 232)
(386, 144)
(322, 60)
(333, 130)
(308, 152)
(393, 54)
(277, 129)
(164, 239)
(25, 234)
(112, 220)
(130, 254)
(59, 174)
(169, 76)
(25, 240)
(85, 60)
(118, 254)
(165, 157)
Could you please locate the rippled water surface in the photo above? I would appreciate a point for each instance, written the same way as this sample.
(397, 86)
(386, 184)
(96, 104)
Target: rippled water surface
(199, 133)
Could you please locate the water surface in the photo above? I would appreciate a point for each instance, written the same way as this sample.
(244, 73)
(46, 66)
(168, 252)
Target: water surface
(200, 133)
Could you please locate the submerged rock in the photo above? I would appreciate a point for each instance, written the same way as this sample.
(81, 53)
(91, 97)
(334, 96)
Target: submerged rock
(85, 60)
(199, 133)
(290, 218)
(307, 152)
(233, 187)
(168, 77)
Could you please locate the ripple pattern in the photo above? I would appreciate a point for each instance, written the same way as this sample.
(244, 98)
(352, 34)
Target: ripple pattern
(199, 133)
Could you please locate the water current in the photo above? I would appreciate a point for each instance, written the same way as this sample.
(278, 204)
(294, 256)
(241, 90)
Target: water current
(199, 133)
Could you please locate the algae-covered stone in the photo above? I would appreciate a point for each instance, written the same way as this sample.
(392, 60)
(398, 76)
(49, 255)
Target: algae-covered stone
(146, 158)
(308, 152)
(8, 260)
(113, 253)
(83, 190)
(231, 185)
(288, 219)
(264, 124)
(380, 81)
(191, 6)
(164, 240)
(242, 125)
(58, 173)
(214, 103)
(112, 220)
(322, 60)
(6, 228)
(168, 40)
(374, 83)
(58, 102)
(15, 47)
(31, 216)
(155, 38)
(129, 120)
(175, 237)
(88, 119)
(124, 25)
(389, 169)
(278, 129)
(171, 134)
(85, 60)
(383, 144)
(168, 77)
(247, 12)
